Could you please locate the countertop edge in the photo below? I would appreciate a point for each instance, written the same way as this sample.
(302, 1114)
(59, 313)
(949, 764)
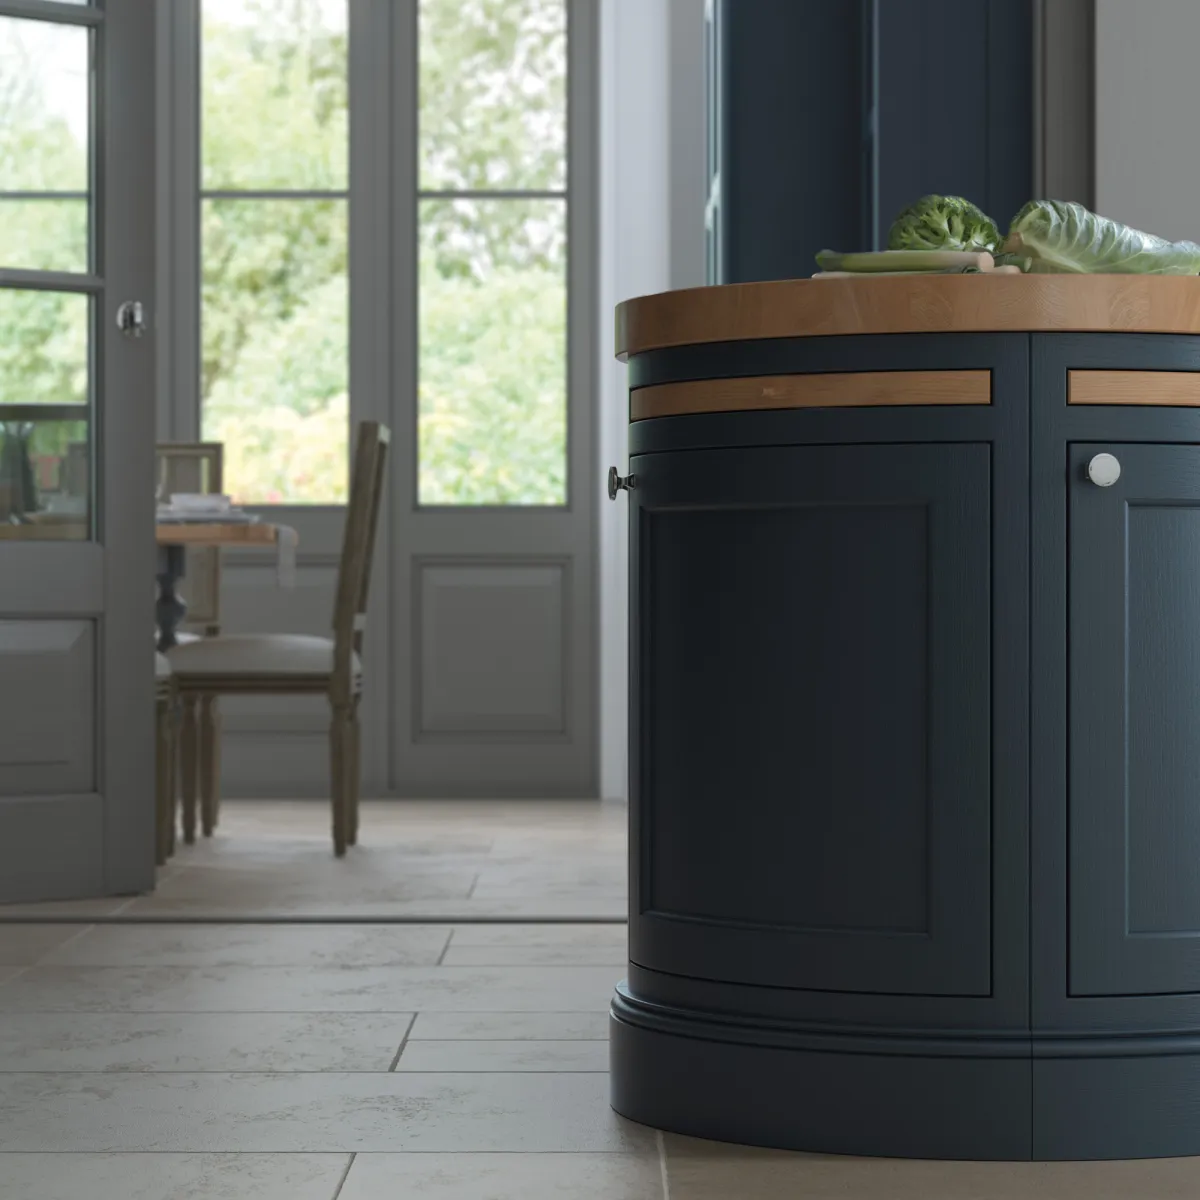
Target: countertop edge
(791, 308)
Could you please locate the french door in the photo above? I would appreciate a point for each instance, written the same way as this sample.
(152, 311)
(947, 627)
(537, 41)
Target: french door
(422, 176)
(77, 554)
(494, 505)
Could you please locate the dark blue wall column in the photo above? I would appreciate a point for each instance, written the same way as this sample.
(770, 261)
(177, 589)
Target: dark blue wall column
(831, 115)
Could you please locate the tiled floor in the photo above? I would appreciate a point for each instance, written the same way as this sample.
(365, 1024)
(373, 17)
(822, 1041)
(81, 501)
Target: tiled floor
(376, 1062)
(414, 859)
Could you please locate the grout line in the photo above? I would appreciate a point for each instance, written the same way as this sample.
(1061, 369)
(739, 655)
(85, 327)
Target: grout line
(345, 1175)
(303, 1012)
(350, 919)
(62, 945)
(275, 1073)
(403, 1043)
(445, 949)
(662, 1163)
(327, 1153)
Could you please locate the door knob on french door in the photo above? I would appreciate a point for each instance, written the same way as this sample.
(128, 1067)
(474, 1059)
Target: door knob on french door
(619, 483)
(131, 318)
(1104, 470)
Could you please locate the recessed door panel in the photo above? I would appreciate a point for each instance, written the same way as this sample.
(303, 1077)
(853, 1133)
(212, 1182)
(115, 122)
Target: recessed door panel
(813, 666)
(1134, 796)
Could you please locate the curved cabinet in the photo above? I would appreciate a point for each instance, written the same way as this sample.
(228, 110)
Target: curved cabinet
(915, 735)
(814, 632)
(1134, 613)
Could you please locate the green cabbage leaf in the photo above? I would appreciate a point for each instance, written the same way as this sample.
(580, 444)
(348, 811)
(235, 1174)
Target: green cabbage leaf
(1063, 237)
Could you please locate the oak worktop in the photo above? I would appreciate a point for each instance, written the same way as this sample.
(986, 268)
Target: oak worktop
(791, 308)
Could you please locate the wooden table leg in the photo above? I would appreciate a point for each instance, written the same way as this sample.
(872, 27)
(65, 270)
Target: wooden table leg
(171, 608)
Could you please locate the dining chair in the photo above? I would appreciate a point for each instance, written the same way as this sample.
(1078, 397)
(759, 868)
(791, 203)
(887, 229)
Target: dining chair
(166, 702)
(293, 664)
(198, 468)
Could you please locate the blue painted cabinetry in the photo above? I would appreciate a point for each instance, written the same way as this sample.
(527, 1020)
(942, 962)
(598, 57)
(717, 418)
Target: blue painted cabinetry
(827, 117)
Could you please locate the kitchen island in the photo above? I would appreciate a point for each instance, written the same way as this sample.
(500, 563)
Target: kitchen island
(915, 716)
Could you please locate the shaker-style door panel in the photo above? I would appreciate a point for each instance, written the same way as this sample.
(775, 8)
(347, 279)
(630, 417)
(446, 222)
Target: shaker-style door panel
(812, 716)
(1134, 857)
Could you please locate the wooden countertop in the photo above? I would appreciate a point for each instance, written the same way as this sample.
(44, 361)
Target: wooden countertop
(910, 304)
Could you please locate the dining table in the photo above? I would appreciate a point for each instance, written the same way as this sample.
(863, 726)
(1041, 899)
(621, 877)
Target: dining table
(174, 538)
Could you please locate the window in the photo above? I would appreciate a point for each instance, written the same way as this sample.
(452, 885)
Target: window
(492, 300)
(274, 151)
(45, 190)
(265, 141)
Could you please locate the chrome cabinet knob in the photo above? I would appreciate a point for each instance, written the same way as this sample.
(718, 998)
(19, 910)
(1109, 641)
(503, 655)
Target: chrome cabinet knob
(1104, 470)
(619, 483)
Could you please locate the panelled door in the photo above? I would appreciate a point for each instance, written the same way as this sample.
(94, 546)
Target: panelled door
(825, 776)
(1134, 756)
(495, 484)
(77, 553)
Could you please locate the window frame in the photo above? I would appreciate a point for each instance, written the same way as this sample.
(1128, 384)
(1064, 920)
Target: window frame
(384, 201)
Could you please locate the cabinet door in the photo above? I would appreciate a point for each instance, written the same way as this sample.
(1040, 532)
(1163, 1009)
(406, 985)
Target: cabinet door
(1134, 756)
(811, 717)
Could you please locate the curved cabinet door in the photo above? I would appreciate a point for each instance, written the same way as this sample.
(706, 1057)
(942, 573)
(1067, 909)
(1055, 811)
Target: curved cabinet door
(1134, 757)
(811, 717)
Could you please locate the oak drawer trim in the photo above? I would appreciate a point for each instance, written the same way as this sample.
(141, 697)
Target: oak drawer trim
(848, 389)
(1166, 389)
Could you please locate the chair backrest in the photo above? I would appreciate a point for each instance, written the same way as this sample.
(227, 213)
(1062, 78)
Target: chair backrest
(358, 550)
(199, 468)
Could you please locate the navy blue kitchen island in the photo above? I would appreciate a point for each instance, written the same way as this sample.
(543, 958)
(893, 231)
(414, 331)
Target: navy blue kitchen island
(915, 716)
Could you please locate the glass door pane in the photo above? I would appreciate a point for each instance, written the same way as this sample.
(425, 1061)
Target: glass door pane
(44, 168)
(274, 236)
(45, 235)
(492, 292)
(493, 352)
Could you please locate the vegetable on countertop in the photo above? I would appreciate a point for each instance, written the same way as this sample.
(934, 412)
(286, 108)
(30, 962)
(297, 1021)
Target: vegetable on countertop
(943, 223)
(909, 274)
(1064, 237)
(1008, 263)
(904, 261)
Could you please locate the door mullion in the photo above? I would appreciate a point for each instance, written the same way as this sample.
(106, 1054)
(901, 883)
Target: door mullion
(403, 373)
(371, 330)
(180, 240)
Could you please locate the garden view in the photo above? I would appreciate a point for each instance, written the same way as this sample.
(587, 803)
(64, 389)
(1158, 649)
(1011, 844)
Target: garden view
(491, 280)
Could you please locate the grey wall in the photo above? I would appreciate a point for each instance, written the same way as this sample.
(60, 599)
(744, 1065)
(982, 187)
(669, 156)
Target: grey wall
(1147, 97)
(652, 185)
(688, 176)
(1064, 100)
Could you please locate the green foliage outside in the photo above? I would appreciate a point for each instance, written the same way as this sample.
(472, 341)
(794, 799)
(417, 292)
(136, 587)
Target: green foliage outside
(43, 335)
(274, 329)
(492, 324)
